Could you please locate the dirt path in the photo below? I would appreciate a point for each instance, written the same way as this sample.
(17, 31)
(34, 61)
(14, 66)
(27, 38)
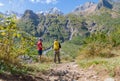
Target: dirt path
(72, 72)
(64, 72)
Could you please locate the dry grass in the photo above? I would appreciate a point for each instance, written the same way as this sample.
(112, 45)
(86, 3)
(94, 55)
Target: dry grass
(44, 59)
(109, 64)
(99, 50)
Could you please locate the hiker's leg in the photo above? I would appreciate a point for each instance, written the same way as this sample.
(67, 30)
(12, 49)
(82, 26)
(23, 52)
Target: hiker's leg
(40, 57)
(40, 54)
(55, 53)
(59, 56)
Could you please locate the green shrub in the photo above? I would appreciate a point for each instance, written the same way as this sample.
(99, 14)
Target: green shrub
(13, 43)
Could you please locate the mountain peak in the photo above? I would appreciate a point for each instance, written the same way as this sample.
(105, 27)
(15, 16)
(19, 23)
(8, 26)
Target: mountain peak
(55, 10)
(9, 13)
(29, 14)
(84, 6)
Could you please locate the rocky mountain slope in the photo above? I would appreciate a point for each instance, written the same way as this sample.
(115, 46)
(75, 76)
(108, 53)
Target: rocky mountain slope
(104, 3)
(81, 22)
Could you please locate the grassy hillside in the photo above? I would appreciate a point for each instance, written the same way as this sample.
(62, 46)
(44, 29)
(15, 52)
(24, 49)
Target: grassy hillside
(101, 48)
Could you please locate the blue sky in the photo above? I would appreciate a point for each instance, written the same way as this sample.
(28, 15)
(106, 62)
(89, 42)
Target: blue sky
(20, 6)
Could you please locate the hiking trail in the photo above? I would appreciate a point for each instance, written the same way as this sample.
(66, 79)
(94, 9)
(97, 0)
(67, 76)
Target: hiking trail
(65, 72)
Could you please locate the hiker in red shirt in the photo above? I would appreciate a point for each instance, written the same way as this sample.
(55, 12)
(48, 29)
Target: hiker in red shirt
(39, 47)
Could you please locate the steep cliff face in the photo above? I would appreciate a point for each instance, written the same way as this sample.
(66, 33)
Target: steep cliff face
(52, 26)
(104, 3)
(85, 9)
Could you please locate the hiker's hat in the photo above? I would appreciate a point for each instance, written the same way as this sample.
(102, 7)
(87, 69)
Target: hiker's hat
(40, 39)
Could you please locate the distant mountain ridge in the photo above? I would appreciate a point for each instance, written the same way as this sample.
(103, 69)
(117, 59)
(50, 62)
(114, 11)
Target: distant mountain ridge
(81, 22)
(84, 9)
(8, 13)
(88, 7)
(84, 6)
(91, 7)
(54, 10)
(1, 13)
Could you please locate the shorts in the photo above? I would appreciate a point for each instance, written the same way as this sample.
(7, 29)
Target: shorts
(56, 51)
(40, 52)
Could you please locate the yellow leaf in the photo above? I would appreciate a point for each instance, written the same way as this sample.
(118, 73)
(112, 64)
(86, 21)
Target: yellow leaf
(32, 43)
(14, 34)
(18, 35)
(3, 33)
(6, 41)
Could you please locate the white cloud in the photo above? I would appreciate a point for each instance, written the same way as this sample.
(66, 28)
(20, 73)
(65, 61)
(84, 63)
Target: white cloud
(44, 1)
(1, 4)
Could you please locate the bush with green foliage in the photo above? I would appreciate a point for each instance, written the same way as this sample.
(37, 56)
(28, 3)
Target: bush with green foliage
(101, 43)
(13, 44)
